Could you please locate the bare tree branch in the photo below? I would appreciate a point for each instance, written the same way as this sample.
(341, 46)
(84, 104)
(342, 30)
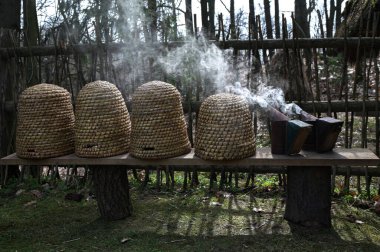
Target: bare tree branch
(225, 6)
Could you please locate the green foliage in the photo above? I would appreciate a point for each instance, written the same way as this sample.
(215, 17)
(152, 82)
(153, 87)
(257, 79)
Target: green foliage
(266, 181)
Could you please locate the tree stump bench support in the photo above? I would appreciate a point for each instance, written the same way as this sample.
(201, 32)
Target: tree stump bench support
(308, 201)
(112, 191)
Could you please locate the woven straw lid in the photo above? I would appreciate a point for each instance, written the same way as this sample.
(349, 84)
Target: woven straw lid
(45, 122)
(158, 124)
(224, 129)
(102, 126)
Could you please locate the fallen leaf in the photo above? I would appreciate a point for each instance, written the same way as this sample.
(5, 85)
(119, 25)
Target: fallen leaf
(37, 194)
(363, 204)
(72, 240)
(46, 187)
(90, 197)
(216, 204)
(222, 194)
(30, 203)
(74, 197)
(376, 198)
(19, 192)
(205, 199)
(125, 240)
(257, 210)
(228, 195)
(351, 218)
(376, 207)
(181, 240)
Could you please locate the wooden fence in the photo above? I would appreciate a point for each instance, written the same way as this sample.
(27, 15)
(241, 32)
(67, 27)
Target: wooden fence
(352, 95)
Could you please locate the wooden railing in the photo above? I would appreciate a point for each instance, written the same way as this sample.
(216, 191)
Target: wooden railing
(352, 42)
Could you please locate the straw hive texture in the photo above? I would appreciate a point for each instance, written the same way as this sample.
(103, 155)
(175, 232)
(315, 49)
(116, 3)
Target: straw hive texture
(158, 124)
(102, 126)
(224, 129)
(45, 122)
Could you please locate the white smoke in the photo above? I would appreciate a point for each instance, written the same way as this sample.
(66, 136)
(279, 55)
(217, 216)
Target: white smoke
(265, 97)
(131, 19)
(197, 57)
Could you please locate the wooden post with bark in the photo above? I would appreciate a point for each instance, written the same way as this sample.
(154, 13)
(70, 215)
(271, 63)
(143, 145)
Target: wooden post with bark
(112, 191)
(309, 196)
(9, 26)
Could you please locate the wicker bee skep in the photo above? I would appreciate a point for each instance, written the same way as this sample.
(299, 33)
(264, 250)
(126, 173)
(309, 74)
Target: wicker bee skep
(158, 124)
(102, 126)
(224, 129)
(45, 122)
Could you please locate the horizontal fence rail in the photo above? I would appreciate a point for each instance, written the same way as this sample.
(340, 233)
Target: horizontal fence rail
(340, 43)
(318, 106)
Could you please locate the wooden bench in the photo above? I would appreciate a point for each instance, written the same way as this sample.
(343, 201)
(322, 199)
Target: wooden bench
(309, 178)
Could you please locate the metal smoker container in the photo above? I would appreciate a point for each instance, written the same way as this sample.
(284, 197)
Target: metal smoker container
(102, 126)
(45, 122)
(324, 134)
(158, 124)
(224, 129)
(287, 136)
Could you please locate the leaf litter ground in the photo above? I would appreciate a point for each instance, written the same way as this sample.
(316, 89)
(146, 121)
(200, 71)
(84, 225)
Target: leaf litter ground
(195, 220)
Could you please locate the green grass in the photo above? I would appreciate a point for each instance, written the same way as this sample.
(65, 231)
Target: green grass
(177, 221)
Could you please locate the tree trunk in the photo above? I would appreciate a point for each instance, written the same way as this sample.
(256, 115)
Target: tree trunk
(10, 14)
(331, 19)
(338, 14)
(309, 196)
(204, 16)
(211, 14)
(232, 20)
(9, 23)
(268, 19)
(253, 31)
(268, 23)
(175, 27)
(31, 39)
(252, 18)
(112, 191)
(329, 15)
(277, 19)
(189, 19)
(30, 23)
(152, 17)
(300, 14)
(208, 18)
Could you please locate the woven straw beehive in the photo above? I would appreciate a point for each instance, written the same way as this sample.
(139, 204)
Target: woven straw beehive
(158, 124)
(45, 122)
(224, 129)
(102, 126)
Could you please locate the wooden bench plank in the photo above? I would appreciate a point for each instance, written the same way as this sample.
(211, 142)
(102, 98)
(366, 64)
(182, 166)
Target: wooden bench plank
(263, 157)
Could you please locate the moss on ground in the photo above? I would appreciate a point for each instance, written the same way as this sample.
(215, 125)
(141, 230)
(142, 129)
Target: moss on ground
(177, 221)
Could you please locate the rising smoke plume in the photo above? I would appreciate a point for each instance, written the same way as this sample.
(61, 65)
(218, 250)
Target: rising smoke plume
(198, 57)
(196, 60)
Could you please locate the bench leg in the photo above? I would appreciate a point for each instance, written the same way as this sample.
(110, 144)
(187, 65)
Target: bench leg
(112, 191)
(309, 196)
